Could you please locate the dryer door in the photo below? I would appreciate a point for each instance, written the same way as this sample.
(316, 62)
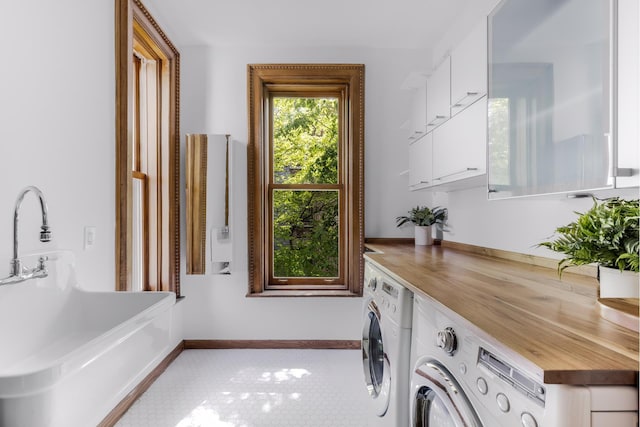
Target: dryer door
(439, 401)
(377, 371)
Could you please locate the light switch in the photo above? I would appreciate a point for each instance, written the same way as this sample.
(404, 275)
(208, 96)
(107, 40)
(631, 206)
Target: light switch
(89, 237)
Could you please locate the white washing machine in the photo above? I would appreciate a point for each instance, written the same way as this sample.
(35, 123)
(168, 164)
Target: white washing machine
(459, 379)
(386, 340)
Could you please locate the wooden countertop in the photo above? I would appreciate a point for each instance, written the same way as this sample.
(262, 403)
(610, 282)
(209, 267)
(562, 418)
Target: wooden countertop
(552, 326)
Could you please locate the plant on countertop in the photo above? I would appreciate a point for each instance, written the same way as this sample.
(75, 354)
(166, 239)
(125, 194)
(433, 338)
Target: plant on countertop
(607, 234)
(424, 216)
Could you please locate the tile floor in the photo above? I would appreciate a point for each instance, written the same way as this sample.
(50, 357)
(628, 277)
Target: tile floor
(256, 388)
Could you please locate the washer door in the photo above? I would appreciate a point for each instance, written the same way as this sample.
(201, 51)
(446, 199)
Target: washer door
(377, 370)
(439, 401)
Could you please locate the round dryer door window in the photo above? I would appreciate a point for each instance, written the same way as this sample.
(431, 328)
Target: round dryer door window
(375, 361)
(439, 401)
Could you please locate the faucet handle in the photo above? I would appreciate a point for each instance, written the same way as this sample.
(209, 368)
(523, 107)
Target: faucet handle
(16, 267)
(41, 262)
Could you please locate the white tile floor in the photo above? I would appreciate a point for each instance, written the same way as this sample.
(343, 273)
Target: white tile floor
(256, 388)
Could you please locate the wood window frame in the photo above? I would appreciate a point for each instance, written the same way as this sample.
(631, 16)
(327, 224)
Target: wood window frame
(263, 79)
(134, 23)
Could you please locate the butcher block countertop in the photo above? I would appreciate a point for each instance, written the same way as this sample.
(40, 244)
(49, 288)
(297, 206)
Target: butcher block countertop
(553, 326)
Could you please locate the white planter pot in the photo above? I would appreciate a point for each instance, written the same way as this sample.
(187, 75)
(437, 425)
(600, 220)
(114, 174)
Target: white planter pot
(423, 235)
(618, 284)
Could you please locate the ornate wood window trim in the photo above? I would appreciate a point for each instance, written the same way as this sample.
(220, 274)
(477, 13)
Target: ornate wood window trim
(165, 259)
(259, 76)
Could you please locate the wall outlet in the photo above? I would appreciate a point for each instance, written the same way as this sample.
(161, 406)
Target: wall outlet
(89, 237)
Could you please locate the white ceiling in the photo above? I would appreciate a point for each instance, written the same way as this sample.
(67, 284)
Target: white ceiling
(300, 23)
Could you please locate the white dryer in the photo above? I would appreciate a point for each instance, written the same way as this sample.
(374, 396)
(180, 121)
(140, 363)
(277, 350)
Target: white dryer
(386, 338)
(461, 379)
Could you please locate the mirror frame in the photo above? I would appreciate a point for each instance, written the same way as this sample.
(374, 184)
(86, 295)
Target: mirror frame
(196, 201)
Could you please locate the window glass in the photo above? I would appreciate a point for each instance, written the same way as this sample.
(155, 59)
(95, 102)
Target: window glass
(305, 140)
(137, 236)
(306, 234)
(499, 141)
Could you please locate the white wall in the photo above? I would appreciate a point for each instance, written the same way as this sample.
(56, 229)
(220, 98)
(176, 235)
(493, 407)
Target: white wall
(517, 225)
(57, 128)
(214, 100)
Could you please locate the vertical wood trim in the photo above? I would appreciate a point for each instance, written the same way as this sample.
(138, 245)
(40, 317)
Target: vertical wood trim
(174, 176)
(254, 182)
(124, 107)
(357, 99)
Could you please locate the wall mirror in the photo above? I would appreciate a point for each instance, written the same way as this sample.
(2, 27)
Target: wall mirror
(208, 188)
(549, 115)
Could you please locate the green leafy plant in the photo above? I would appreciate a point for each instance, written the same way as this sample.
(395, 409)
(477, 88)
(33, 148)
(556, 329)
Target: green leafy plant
(607, 234)
(424, 216)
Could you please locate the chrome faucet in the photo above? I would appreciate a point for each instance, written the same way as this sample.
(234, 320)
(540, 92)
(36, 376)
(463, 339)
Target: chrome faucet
(18, 272)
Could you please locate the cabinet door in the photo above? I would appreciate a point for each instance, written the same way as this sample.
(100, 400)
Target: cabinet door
(469, 69)
(628, 153)
(420, 154)
(418, 118)
(549, 102)
(439, 95)
(459, 145)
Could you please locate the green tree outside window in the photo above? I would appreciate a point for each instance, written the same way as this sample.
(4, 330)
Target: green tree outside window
(306, 223)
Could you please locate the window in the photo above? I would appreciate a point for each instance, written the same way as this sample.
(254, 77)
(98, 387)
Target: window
(305, 184)
(147, 153)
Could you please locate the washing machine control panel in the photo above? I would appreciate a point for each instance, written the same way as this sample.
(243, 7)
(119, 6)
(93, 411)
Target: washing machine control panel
(394, 301)
(512, 376)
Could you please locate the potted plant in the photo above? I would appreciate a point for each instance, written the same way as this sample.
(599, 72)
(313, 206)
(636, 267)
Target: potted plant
(608, 235)
(424, 218)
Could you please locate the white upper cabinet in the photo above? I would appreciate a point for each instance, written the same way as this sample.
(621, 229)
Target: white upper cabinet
(628, 105)
(439, 95)
(418, 119)
(420, 155)
(459, 146)
(563, 97)
(469, 69)
(452, 155)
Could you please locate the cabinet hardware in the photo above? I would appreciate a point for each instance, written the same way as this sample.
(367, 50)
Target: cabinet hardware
(455, 173)
(433, 122)
(461, 103)
(623, 172)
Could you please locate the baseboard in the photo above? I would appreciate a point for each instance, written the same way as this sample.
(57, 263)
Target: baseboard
(388, 240)
(273, 344)
(116, 413)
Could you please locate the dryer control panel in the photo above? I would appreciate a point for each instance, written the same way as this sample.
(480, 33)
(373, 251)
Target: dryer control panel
(393, 300)
(512, 376)
(390, 290)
